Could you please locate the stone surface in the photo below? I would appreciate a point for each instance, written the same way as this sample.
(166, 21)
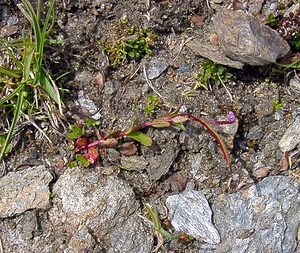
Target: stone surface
(160, 164)
(291, 137)
(267, 212)
(190, 213)
(24, 190)
(255, 133)
(295, 83)
(137, 163)
(203, 47)
(245, 39)
(89, 105)
(133, 236)
(156, 68)
(89, 206)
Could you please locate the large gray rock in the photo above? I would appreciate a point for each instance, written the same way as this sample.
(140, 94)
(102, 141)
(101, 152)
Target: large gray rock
(203, 47)
(264, 218)
(24, 190)
(190, 213)
(245, 39)
(87, 203)
(291, 137)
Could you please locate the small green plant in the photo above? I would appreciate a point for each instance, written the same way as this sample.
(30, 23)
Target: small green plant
(277, 105)
(152, 104)
(86, 151)
(182, 237)
(25, 85)
(133, 48)
(272, 20)
(211, 72)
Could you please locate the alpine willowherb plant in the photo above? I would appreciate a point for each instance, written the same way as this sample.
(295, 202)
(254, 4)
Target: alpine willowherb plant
(87, 151)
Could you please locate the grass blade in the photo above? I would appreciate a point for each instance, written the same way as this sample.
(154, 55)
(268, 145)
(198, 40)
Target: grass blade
(9, 72)
(17, 112)
(11, 95)
(51, 90)
(28, 55)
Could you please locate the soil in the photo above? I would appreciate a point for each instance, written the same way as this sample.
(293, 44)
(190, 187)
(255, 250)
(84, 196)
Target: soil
(176, 159)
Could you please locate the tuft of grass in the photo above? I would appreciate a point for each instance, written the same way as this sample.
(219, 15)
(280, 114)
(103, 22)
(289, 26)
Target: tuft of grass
(277, 105)
(152, 104)
(26, 87)
(211, 73)
(134, 47)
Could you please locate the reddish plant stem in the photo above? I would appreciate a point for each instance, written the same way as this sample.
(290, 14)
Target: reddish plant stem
(205, 123)
(120, 135)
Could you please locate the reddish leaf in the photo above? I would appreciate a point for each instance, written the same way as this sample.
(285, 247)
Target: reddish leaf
(92, 155)
(128, 149)
(81, 142)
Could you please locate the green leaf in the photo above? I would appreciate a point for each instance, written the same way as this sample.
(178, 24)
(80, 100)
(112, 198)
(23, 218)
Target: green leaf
(27, 62)
(72, 164)
(2, 141)
(92, 122)
(50, 89)
(180, 125)
(75, 132)
(9, 72)
(12, 94)
(140, 137)
(82, 160)
(17, 113)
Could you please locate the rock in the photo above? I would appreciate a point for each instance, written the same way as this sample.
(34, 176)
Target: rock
(204, 47)
(295, 83)
(100, 202)
(156, 68)
(89, 105)
(261, 173)
(255, 6)
(137, 163)
(133, 236)
(245, 39)
(267, 212)
(190, 213)
(24, 190)
(255, 133)
(291, 137)
(160, 164)
(81, 241)
(183, 69)
(89, 207)
(111, 87)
